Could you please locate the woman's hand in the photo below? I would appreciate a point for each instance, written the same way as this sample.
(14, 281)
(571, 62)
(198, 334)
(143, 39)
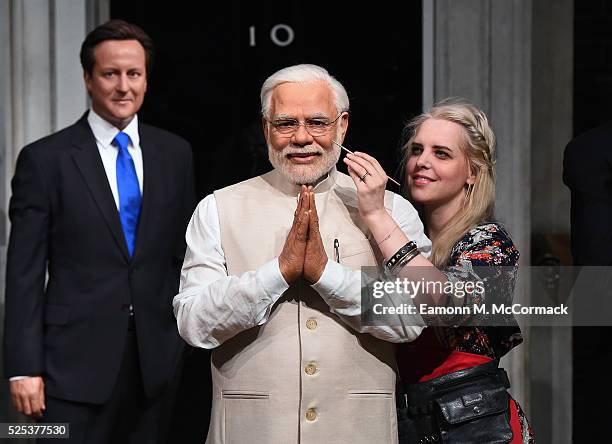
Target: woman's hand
(371, 180)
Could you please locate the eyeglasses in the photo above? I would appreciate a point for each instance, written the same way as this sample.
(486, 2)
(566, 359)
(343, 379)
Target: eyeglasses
(315, 127)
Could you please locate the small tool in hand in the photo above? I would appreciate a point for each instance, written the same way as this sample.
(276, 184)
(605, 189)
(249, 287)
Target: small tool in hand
(350, 152)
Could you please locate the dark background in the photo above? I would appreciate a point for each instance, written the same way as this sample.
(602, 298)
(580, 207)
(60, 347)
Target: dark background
(592, 64)
(206, 82)
(592, 348)
(205, 87)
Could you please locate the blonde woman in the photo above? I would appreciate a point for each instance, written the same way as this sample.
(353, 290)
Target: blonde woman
(455, 391)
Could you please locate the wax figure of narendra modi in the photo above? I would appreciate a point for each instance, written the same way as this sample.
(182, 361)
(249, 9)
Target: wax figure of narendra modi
(271, 282)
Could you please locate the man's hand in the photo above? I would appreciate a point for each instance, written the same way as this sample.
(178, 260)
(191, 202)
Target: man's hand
(291, 259)
(316, 258)
(28, 396)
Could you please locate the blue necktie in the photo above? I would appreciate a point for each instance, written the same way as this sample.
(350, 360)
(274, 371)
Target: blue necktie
(129, 191)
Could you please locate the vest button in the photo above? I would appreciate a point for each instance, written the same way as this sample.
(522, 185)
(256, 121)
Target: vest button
(310, 369)
(311, 324)
(311, 414)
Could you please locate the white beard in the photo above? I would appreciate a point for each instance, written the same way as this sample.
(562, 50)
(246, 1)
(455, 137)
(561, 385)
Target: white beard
(307, 174)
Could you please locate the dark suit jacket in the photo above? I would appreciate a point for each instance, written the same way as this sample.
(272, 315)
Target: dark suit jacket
(587, 171)
(64, 219)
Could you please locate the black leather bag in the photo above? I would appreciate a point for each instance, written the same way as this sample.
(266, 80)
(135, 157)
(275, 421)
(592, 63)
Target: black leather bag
(478, 415)
(470, 406)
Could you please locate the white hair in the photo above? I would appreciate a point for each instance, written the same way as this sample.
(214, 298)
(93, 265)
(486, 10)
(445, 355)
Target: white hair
(302, 74)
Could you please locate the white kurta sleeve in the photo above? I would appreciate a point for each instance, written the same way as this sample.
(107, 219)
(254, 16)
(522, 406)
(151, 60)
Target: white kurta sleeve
(211, 306)
(340, 286)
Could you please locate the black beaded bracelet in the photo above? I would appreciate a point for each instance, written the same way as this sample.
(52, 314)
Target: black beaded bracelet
(396, 259)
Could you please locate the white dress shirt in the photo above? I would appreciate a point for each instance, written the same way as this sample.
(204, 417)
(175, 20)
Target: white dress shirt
(105, 132)
(214, 301)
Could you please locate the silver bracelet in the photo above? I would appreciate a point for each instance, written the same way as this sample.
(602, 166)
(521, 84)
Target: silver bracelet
(395, 270)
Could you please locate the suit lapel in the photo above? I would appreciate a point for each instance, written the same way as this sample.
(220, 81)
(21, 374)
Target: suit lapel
(89, 163)
(152, 172)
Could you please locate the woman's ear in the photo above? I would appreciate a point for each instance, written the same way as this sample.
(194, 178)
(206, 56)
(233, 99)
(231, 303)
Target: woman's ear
(471, 179)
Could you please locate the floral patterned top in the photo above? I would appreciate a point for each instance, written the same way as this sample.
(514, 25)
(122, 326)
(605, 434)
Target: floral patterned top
(485, 253)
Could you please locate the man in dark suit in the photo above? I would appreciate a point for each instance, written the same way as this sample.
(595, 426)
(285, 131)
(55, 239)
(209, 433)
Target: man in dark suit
(587, 171)
(102, 207)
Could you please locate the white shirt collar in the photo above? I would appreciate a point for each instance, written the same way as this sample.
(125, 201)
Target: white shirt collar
(105, 132)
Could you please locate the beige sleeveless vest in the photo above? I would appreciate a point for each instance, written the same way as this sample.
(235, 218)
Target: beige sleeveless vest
(303, 376)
